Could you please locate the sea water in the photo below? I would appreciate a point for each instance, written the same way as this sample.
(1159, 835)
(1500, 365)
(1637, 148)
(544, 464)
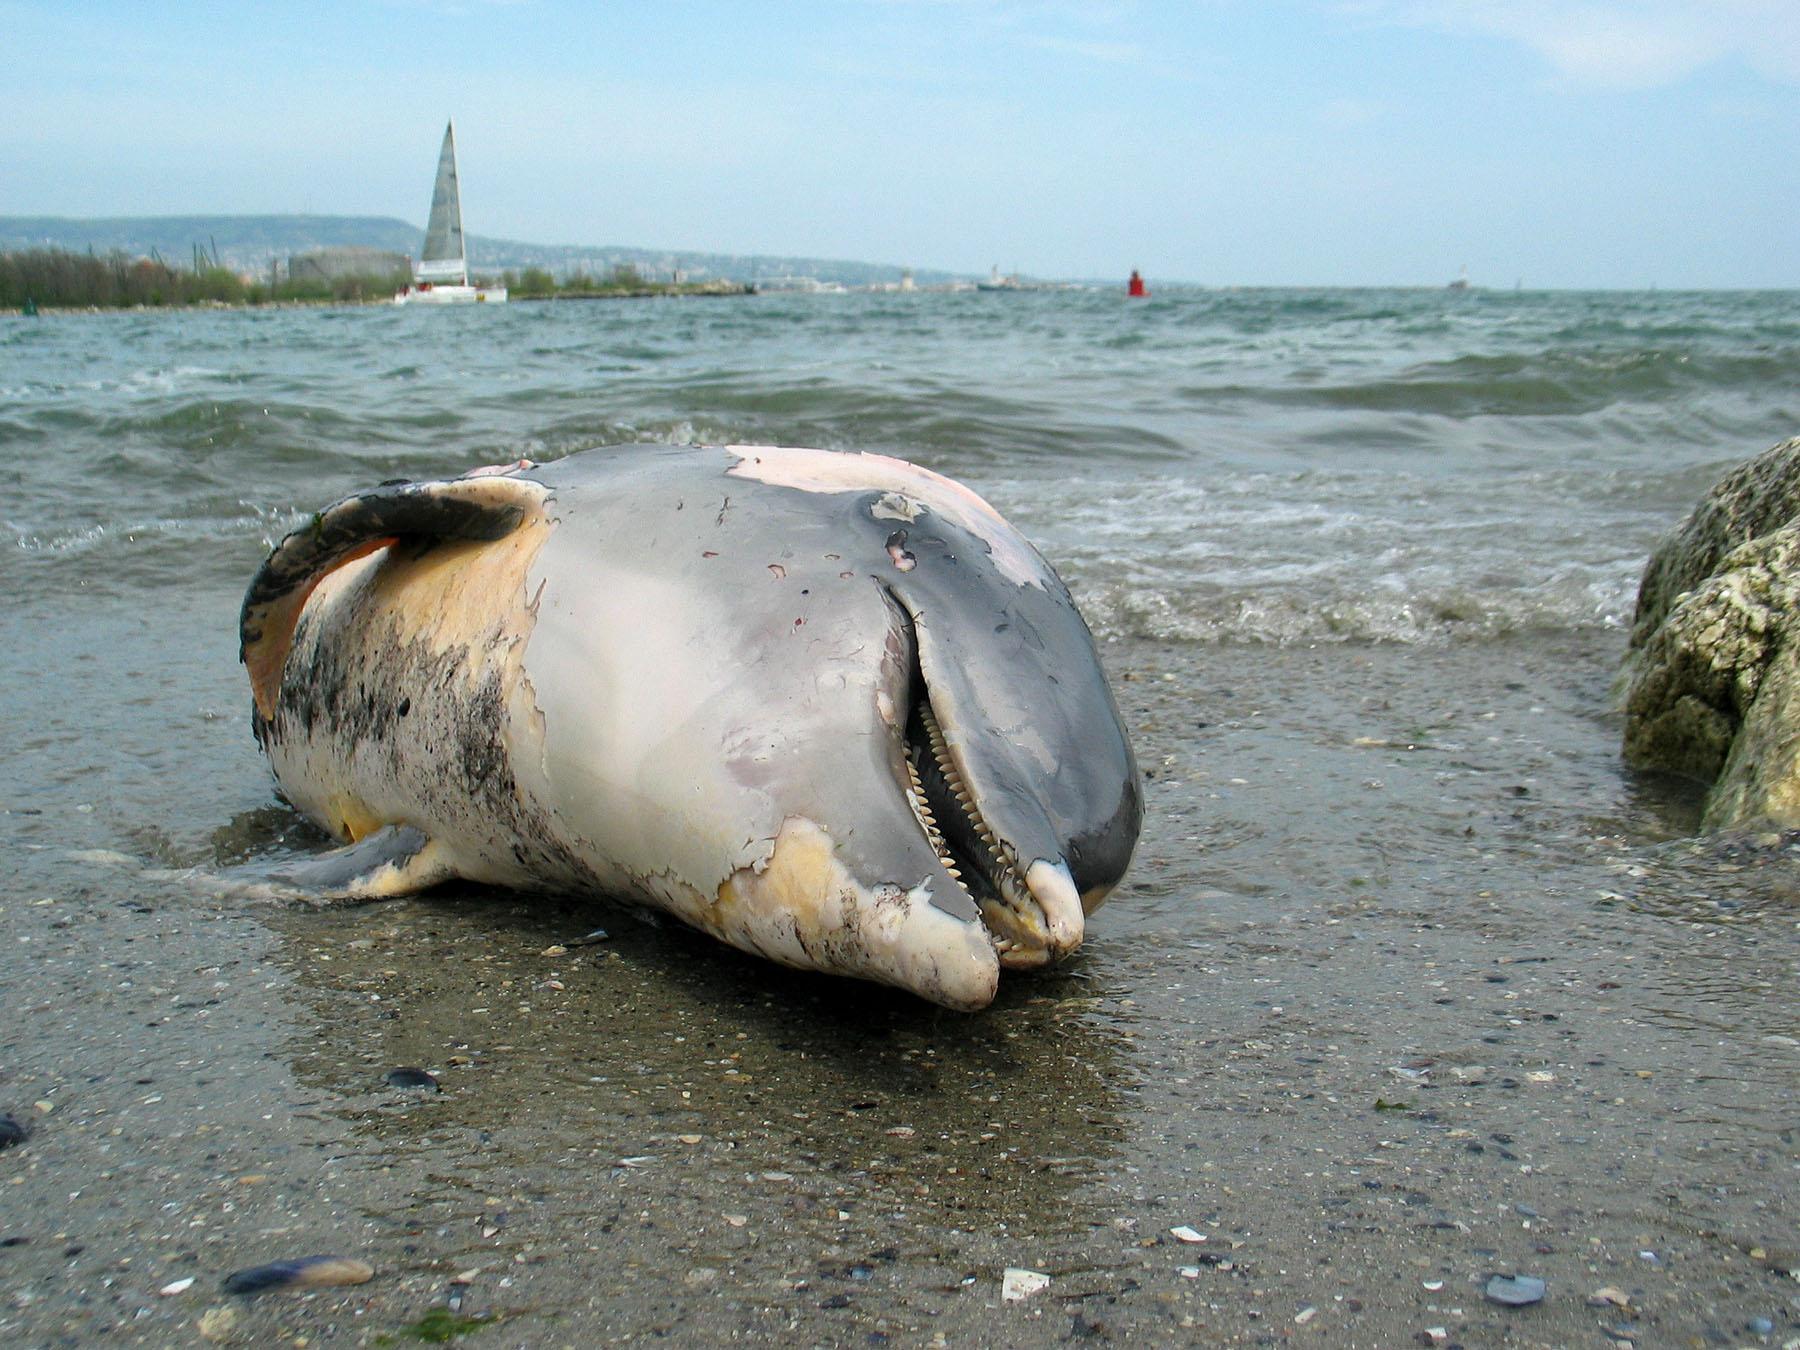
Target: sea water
(1254, 466)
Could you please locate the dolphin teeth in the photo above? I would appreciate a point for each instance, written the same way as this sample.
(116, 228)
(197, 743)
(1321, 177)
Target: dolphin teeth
(963, 840)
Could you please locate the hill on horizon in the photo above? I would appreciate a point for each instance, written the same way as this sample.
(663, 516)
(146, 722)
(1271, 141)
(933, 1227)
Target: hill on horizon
(251, 243)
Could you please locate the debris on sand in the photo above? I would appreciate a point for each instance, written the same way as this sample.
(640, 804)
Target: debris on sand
(1019, 1283)
(308, 1272)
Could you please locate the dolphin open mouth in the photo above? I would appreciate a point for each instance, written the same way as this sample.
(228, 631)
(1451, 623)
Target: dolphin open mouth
(1029, 906)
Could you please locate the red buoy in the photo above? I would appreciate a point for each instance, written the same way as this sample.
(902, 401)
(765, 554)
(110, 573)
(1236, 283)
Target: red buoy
(1137, 285)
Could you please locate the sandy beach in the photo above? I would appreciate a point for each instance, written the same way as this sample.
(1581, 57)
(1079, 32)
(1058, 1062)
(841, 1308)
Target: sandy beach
(1411, 985)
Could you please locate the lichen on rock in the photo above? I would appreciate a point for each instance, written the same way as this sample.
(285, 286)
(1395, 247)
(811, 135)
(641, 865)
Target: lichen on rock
(1714, 662)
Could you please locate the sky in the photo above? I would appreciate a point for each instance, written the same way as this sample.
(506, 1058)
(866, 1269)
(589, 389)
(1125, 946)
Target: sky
(1549, 143)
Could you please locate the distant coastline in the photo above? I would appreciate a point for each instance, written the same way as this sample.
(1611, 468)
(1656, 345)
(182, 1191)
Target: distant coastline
(55, 279)
(249, 245)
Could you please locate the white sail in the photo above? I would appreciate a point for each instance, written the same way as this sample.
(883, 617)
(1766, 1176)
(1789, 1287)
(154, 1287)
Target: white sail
(444, 258)
(441, 276)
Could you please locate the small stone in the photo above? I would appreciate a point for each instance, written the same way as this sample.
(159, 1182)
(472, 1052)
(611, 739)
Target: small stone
(12, 1131)
(1760, 1326)
(1019, 1283)
(1187, 1234)
(736, 1220)
(555, 949)
(1305, 1315)
(777, 1176)
(177, 1287)
(216, 1324)
(688, 1138)
(408, 1076)
(1608, 1295)
(1516, 1291)
(1434, 1285)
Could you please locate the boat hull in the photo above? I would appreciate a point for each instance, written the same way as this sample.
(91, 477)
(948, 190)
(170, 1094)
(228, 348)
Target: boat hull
(452, 295)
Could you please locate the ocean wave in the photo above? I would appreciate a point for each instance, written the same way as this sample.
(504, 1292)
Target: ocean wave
(1537, 384)
(1213, 466)
(1292, 616)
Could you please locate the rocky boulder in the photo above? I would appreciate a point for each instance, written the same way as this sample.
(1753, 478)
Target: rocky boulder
(1714, 662)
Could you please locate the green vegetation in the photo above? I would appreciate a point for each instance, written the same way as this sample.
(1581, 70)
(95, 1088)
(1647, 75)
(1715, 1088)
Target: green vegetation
(535, 283)
(57, 278)
(437, 1326)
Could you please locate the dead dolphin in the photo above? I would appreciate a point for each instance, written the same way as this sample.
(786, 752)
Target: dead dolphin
(828, 707)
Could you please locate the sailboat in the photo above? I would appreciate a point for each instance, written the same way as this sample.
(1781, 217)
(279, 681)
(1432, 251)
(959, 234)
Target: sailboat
(441, 276)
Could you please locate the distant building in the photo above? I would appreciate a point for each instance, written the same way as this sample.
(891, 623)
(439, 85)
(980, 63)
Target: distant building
(329, 264)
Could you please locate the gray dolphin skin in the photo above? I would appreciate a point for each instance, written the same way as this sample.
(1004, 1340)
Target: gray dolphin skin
(828, 707)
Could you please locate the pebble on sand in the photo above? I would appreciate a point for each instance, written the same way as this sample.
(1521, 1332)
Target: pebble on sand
(12, 1131)
(1516, 1291)
(308, 1272)
(407, 1076)
(217, 1324)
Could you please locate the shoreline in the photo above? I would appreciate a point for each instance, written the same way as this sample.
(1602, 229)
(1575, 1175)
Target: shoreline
(205, 306)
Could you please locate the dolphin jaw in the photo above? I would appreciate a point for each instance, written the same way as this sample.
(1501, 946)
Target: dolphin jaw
(803, 907)
(1033, 914)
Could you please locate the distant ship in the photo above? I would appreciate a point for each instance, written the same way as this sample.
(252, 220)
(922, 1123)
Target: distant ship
(996, 282)
(1461, 283)
(442, 274)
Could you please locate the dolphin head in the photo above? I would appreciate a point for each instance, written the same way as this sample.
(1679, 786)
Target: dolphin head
(829, 707)
(1004, 740)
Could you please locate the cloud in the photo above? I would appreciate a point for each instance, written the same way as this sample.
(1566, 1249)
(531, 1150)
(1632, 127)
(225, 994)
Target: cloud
(1621, 44)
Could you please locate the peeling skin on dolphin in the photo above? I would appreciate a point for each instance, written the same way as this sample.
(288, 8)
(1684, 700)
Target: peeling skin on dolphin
(904, 486)
(803, 906)
(841, 715)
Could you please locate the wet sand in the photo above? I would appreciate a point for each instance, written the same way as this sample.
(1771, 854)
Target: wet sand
(1411, 984)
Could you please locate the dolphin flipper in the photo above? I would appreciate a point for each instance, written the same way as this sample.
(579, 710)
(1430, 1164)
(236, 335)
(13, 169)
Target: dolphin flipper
(394, 860)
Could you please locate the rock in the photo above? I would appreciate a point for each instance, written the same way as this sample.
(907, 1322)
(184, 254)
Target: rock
(12, 1131)
(1515, 1291)
(1714, 665)
(217, 1324)
(1754, 499)
(409, 1076)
